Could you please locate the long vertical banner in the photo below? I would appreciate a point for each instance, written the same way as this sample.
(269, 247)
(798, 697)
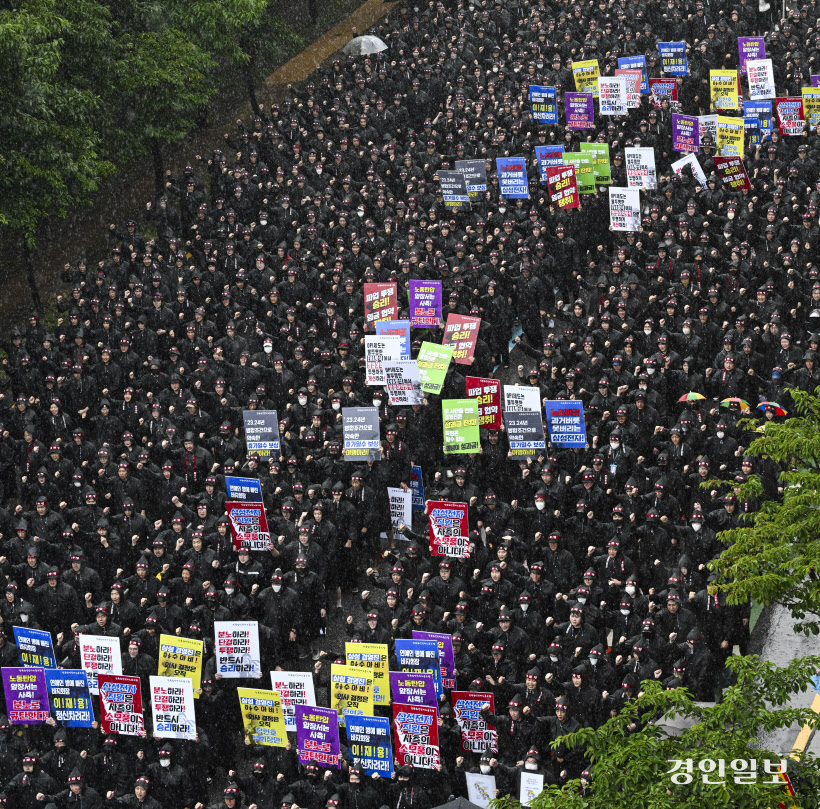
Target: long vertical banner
(121, 704)
(416, 728)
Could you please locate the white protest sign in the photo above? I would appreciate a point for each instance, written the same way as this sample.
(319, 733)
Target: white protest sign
(99, 655)
(697, 169)
(520, 397)
(532, 785)
(403, 382)
(236, 645)
(640, 167)
(480, 789)
(377, 350)
(612, 95)
(760, 76)
(624, 208)
(172, 699)
(294, 688)
(401, 509)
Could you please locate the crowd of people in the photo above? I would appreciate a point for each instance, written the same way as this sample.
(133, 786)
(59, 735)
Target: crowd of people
(241, 289)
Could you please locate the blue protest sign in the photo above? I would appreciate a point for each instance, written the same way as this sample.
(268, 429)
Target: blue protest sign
(420, 655)
(673, 58)
(758, 120)
(548, 156)
(417, 487)
(398, 328)
(70, 698)
(636, 63)
(368, 744)
(512, 177)
(35, 647)
(244, 490)
(543, 104)
(565, 423)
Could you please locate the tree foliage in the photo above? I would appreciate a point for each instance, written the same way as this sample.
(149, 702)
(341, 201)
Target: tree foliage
(86, 85)
(773, 558)
(631, 754)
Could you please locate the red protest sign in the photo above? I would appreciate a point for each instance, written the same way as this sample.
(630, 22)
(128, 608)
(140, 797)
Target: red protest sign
(663, 88)
(380, 303)
(476, 734)
(733, 173)
(488, 393)
(249, 525)
(449, 529)
(121, 704)
(562, 186)
(416, 729)
(461, 332)
(789, 111)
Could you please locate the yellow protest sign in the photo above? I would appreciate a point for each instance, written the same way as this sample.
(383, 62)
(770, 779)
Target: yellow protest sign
(351, 691)
(374, 658)
(729, 139)
(262, 717)
(586, 76)
(723, 89)
(181, 657)
(811, 105)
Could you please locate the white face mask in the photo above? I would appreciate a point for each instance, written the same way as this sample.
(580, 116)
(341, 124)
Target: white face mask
(720, 433)
(303, 400)
(614, 444)
(530, 766)
(524, 607)
(165, 762)
(582, 599)
(485, 768)
(650, 371)
(377, 402)
(696, 526)
(319, 169)
(624, 611)
(730, 215)
(502, 209)
(540, 505)
(229, 591)
(263, 222)
(336, 405)
(687, 331)
(277, 588)
(630, 589)
(24, 617)
(554, 658)
(593, 661)
(647, 331)
(268, 349)
(360, 214)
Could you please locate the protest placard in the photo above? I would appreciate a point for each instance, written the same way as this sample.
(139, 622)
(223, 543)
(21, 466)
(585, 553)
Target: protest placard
(70, 697)
(243, 490)
(487, 392)
(723, 89)
(543, 104)
(413, 688)
(565, 423)
(360, 430)
(369, 744)
(685, 134)
(262, 717)
(760, 78)
(375, 658)
(249, 525)
(475, 172)
(417, 487)
(181, 657)
(351, 691)
(425, 304)
(461, 431)
(750, 49)
(172, 701)
(416, 729)
(586, 74)
(733, 173)
(262, 433)
(454, 190)
(461, 332)
(401, 510)
(521, 397)
(26, 695)
(433, 361)
(562, 187)
(477, 735)
(121, 704)
(377, 351)
(294, 688)
(640, 167)
(525, 433)
(380, 303)
(633, 80)
(546, 156)
(34, 647)
(403, 382)
(580, 110)
(317, 736)
(674, 61)
(236, 646)
(444, 641)
(448, 528)
(599, 152)
(99, 655)
(512, 177)
(480, 789)
(730, 132)
(789, 112)
(625, 208)
(612, 95)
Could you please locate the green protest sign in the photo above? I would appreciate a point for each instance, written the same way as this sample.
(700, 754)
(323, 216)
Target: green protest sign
(584, 171)
(600, 161)
(433, 361)
(460, 425)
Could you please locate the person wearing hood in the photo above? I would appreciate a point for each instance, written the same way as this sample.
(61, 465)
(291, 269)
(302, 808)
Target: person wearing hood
(140, 799)
(407, 792)
(313, 790)
(77, 795)
(63, 760)
(513, 732)
(24, 788)
(170, 784)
